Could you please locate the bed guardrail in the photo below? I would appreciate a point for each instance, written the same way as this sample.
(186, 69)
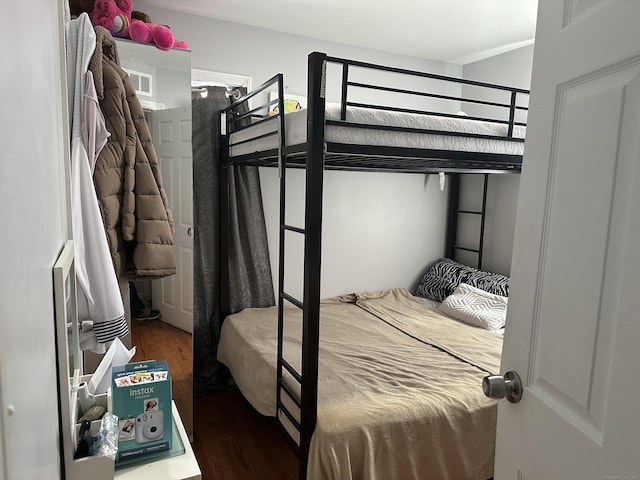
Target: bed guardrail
(241, 114)
(512, 106)
(495, 115)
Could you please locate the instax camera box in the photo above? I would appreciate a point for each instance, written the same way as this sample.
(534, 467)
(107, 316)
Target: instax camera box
(141, 398)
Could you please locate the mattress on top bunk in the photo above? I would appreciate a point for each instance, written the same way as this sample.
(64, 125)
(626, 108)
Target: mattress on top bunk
(296, 131)
(399, 385)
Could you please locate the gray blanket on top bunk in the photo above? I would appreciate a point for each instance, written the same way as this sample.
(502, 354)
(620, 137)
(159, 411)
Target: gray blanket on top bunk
(399, 387)
(422, 136)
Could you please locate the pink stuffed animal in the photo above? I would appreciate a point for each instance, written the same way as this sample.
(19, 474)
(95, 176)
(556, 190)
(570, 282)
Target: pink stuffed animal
(114, 15)
(160, 35)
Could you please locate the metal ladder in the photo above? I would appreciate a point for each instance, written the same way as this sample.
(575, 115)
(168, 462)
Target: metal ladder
(454, 213)
(310, 305)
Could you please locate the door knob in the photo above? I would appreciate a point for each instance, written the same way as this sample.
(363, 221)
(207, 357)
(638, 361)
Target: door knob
(498, 386)
(190, 232)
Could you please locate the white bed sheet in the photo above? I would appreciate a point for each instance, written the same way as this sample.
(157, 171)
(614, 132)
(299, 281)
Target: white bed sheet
(296, 131)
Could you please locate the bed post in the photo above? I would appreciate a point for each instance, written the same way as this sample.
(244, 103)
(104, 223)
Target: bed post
(452, 217)
(312, 253)
(483, 217)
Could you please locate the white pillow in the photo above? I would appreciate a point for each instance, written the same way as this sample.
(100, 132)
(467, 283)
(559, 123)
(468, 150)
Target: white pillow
(476, 307)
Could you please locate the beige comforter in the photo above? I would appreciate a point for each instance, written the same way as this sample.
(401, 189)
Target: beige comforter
(399, 387)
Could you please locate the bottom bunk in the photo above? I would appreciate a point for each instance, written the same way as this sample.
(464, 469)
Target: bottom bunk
(399, 384)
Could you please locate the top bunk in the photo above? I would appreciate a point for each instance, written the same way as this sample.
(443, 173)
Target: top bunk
(370, 117)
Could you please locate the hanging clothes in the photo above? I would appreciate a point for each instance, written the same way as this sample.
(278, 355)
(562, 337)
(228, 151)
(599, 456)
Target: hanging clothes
(100, 307)
(134, 205)
(95, 131)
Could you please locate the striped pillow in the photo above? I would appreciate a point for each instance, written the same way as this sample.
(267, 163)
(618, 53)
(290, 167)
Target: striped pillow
(445, 275)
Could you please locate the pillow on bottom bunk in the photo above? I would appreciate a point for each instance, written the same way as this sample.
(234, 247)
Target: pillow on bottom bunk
(445, 275)
(476, 307)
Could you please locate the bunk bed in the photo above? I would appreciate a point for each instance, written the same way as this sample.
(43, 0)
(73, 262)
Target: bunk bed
(377, 135)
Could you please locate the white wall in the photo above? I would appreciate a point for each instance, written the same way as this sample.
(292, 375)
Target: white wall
(33, 212)
(513, 69)
(364, 248)
(379, 230)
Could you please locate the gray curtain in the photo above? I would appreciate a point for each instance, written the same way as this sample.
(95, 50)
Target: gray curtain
(250, 282)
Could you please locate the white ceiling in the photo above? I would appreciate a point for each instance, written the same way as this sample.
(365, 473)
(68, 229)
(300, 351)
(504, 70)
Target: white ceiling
(457, 31)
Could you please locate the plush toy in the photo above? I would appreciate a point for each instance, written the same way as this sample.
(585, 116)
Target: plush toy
(143, 30)
(80, 6)
(114, 15)
(138, 15)
(121, 20)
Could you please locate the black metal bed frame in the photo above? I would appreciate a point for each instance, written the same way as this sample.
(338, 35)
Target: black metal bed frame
(316, 155)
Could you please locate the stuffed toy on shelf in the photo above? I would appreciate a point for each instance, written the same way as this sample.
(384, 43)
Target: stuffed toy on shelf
(143, 30)
(119, 17)
(114, 15)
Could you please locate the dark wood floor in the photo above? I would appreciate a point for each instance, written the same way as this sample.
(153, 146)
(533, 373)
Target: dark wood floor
(157, 340)
(230, 439)
(234, 442)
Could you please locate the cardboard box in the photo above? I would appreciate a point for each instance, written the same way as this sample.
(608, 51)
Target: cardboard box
(141, 398)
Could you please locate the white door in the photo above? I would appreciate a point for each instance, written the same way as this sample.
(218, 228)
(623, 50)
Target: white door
(3, 471)
(171, 132)
(573, 326)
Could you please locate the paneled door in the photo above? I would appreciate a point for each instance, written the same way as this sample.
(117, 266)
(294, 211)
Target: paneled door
(573, 327)
(3, 470)
(171, 131)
